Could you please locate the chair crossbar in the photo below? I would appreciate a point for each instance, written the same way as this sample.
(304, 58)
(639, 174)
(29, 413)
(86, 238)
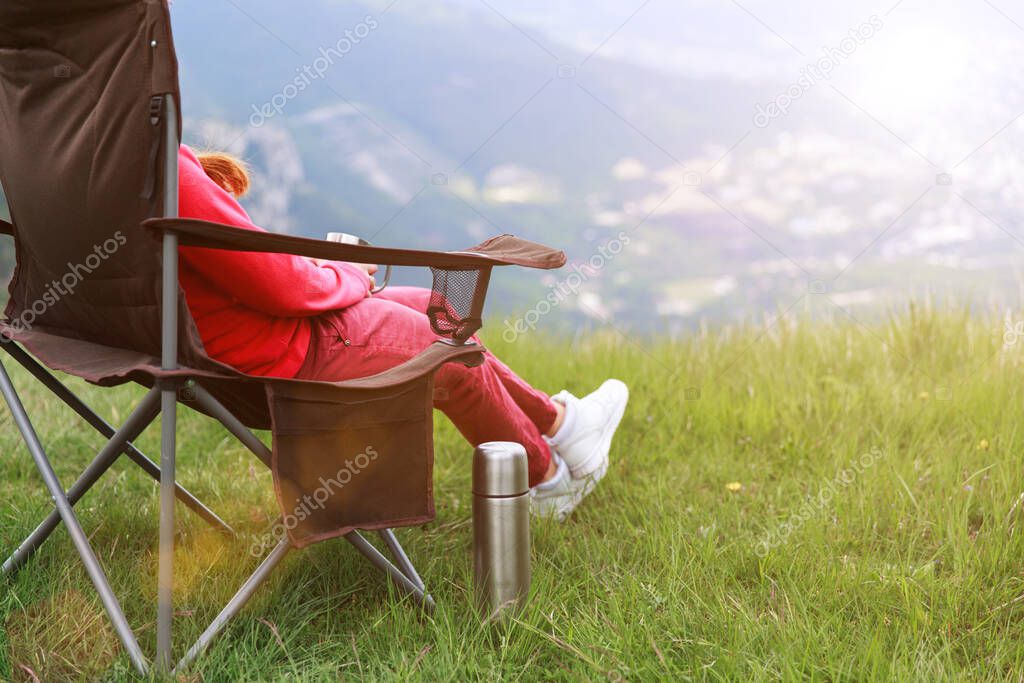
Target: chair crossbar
(140, 418)
(65, 394)
(237, 602)
(410, 586)
(219, 412)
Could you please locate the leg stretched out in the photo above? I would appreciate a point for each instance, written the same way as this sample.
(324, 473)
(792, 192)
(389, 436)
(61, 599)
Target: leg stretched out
(567, 440)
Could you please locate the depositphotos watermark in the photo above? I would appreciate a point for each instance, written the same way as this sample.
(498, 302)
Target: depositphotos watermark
(1013, 331)
(815, 72)
(313, 71)
(815, 504)
(311, 502)
(569, 286)
(66, 284)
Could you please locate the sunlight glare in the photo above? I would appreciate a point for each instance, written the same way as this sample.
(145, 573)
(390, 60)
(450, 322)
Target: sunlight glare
(917, 72)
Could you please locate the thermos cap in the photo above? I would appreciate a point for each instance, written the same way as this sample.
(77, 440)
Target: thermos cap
(499, 469)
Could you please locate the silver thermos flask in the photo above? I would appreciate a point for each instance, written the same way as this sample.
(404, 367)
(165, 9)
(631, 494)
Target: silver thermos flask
(501, 527)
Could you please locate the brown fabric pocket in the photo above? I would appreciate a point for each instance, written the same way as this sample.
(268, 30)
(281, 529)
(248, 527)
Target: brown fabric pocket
(347, 459)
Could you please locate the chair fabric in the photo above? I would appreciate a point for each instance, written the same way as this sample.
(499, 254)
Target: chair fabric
(81, 129)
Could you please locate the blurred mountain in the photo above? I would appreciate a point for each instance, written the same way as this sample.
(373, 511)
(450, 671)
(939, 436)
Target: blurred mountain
(438, 124)
(635, 137)
(439, 128)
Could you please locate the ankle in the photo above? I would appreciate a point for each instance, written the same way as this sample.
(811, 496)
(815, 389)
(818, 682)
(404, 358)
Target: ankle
(559, 419)
(555, 469)
(565, 424)
(552, 471)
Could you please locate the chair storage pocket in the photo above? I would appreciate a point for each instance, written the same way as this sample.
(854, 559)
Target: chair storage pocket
(351, 459)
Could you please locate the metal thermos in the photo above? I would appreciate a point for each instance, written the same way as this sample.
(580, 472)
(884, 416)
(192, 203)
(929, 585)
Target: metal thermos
(501, 527)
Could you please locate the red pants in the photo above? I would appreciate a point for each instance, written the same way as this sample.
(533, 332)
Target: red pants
(486, 403)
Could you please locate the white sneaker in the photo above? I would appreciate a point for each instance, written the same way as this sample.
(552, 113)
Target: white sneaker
(591, 426)
(558, 497)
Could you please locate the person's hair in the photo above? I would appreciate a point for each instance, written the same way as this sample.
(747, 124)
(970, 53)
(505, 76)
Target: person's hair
(227, 171)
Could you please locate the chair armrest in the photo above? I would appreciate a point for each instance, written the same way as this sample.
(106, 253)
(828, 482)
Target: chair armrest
(460, 277)
(428, 360)
(499, 251)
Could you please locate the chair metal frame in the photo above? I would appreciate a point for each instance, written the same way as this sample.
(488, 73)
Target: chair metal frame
(162, 400)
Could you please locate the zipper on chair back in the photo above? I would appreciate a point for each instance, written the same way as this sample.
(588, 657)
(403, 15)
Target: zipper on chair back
(156, 115)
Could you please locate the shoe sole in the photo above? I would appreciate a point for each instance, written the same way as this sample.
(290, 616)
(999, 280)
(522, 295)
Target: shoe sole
(548, 508)
(605, 444)
(562, 509)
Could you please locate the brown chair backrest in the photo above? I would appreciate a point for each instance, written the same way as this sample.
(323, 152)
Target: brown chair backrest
(81, 130)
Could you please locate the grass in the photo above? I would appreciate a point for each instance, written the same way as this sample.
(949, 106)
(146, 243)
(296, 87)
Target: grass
(707, 553)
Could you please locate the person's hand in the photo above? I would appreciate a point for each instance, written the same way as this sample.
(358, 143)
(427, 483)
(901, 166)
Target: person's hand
(369, 269)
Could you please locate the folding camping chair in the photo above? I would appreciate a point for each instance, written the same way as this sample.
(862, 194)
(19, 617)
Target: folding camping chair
(89, 133)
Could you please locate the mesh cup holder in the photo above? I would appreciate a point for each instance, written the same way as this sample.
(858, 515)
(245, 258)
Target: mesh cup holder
(457, 301)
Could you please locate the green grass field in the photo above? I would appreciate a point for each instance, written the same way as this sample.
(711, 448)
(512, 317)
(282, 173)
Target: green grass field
(815, 501)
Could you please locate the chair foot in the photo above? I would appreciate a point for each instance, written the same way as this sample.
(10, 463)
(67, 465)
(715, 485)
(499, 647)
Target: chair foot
(236, 604)
(403, 582)
(404, 563)
(185, 497)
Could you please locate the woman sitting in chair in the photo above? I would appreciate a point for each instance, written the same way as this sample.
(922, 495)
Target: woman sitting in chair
(290, 316)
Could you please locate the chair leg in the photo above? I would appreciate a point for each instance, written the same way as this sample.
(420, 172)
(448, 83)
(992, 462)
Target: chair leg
(133, 426)
(219, 412)
(236, 603)
(394, 573)
(165, 571)
(67, 513)
(404, 563)
(101, 426)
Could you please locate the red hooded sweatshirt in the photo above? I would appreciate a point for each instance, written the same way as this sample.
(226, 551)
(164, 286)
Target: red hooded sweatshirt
(253, 310)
